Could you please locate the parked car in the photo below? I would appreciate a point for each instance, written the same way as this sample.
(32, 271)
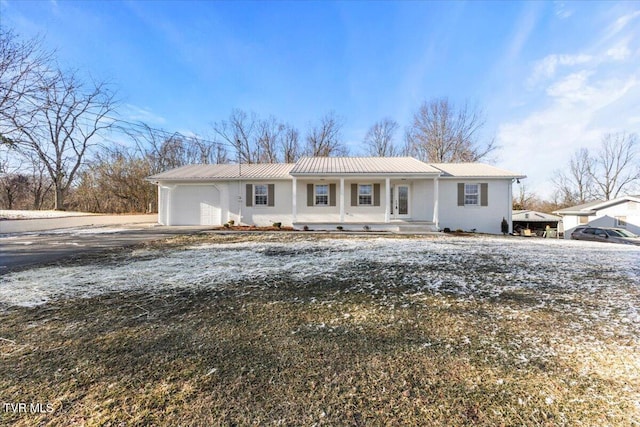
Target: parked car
(605, 234)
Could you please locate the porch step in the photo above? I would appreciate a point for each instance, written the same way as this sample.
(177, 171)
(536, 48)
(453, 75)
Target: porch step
(416, 227)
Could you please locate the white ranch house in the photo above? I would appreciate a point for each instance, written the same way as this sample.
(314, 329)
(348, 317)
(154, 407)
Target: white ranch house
(383, 193)
(621, 212)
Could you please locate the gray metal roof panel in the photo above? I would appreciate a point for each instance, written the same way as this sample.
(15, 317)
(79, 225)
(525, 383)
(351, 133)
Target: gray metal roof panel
(227, 171)
(361, 165)
(475, 170)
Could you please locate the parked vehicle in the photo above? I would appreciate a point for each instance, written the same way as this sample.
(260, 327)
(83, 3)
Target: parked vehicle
(605, 234)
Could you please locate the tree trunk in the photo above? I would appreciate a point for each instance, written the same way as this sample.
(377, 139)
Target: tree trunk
(59, 198)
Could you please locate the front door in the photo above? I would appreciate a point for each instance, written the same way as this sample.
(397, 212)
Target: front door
(400, 201)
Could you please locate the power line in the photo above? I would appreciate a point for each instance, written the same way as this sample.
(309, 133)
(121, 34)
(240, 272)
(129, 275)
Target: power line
(164, 133)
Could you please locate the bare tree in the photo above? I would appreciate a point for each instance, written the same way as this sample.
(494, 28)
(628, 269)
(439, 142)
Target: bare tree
(62, 122)
(239, 131)
(270, 132)
(23, 65)
(616, 166)
(614, 169)
(324, 138)
(290, 145)
(575, 185)
(441, 133)
(379, 139)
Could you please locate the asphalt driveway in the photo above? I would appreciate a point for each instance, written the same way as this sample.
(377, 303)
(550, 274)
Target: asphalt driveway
(21, 250)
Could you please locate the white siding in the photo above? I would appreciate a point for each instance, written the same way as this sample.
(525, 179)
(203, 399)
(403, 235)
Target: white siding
(261, 216)
(485, 219)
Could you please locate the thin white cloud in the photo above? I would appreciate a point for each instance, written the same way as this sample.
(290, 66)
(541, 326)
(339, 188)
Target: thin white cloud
(561, 11)
(138, 114)
(547, 67)
(620, 52)
(523, 29)
(621, 23)
(572, 118)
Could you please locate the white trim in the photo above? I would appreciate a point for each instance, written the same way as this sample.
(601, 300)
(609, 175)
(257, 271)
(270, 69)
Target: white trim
(387, 198)
(294, 201)
(341, 199)
(436, 201)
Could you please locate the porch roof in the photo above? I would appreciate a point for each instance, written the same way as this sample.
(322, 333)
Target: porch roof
(362, 166)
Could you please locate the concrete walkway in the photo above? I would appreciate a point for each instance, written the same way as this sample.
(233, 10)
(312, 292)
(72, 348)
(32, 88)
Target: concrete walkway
(44, 224)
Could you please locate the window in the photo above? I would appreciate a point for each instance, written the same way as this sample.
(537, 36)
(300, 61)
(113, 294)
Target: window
(471, 194)
(365, 194)
(621, 221)
(584, 220)
(261, 195)
(322, 195)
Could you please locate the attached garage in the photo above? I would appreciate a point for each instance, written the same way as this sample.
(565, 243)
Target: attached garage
(193, 205)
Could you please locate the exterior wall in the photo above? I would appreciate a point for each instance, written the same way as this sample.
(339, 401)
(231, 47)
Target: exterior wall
(606, 217)
(262, 216)
(485, 219)
(216, 203)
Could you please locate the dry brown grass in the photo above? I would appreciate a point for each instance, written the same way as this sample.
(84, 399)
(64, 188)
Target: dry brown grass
(307, 354)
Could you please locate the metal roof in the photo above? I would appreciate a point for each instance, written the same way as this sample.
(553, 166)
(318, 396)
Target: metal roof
(533, 216)
(474, 170)
(224, 172)
(361, 165)
(345, 166)
(591, 207)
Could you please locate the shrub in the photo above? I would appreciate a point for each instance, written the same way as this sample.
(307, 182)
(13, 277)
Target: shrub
(305, 228)
(447, 230)
(366, 228)
(231, 222)
(340, 228)
(277, 224)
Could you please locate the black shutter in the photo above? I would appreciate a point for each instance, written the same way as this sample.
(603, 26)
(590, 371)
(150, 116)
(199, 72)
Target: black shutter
(354, 194)
(376, 194)
(310, 195)
(332, 194)
(249, 194)
(271, 195)
(460, 194)
(484, 194)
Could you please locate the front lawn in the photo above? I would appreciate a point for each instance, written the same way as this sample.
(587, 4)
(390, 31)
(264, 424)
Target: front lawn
(294, 329)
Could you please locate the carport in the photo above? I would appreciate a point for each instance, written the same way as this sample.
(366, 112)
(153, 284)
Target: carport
(536, 222)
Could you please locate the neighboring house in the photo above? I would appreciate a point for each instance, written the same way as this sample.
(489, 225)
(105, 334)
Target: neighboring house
(535, 221)
(621, 212)
(383, 193)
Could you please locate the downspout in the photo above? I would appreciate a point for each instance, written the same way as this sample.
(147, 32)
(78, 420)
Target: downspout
(436, 203)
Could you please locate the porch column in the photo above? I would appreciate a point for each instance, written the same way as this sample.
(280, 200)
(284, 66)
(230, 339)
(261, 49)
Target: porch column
(388, 201)
(294, 201)
(341, 199)
(436, 201)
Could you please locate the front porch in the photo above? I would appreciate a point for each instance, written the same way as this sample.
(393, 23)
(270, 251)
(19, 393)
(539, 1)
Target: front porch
(398, 203)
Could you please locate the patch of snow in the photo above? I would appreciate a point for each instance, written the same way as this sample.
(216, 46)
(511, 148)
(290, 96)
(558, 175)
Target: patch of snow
(27, 214)
(595, 287)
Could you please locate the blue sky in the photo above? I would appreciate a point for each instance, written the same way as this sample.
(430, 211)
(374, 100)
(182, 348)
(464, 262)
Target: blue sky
(550, 76)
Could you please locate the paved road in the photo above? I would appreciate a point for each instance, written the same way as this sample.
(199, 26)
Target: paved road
(24, 250)
(42, 224)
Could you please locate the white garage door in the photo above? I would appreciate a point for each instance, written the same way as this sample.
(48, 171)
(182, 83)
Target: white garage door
(195, 205)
